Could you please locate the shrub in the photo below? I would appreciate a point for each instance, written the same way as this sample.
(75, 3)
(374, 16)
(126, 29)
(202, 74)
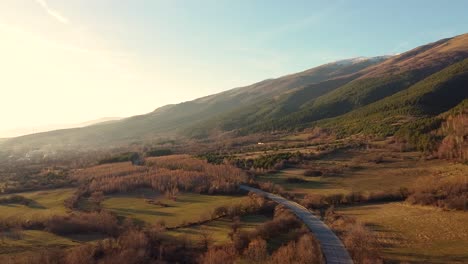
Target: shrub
(102, 222)
(257, 252)
(362, 244)
(313, 173)
(16, 199)
(449, 192)
(305, 251)
(216, 255)
(159, 152)
(295, 180)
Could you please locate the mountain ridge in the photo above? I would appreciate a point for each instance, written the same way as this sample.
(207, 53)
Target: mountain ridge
(292, 101)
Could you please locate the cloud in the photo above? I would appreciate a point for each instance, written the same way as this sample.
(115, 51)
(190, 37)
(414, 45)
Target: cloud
(53, 13)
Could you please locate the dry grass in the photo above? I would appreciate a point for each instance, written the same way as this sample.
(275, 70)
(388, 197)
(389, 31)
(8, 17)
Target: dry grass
(360, 172)
(415, 233)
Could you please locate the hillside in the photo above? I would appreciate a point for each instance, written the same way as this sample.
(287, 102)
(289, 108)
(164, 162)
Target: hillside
(346, 95)
(431, 96)
(166, 120)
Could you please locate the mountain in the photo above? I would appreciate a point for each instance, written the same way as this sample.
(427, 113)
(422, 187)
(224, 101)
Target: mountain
(168, 119)
(45, 128)
(345, 95)
(335, 97)
(98, 121)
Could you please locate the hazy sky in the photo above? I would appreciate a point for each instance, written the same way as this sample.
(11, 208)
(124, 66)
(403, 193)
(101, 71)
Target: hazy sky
(69, 61)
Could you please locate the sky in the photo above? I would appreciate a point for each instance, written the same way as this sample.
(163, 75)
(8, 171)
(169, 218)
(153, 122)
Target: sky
(65, 62)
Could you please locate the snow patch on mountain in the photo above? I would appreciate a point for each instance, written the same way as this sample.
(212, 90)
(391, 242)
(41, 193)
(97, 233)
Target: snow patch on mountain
(361, 59)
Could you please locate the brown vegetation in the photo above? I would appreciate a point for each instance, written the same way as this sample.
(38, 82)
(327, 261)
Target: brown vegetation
(361, 243)
(454, 146)
(448, 192)
(79, 223)
(165, 174)
(317, 201)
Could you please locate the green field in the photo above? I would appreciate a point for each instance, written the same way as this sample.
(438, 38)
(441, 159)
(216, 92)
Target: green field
(46, 203)
(416, 233)
(218, 230)
(188, 206)
(31, 240)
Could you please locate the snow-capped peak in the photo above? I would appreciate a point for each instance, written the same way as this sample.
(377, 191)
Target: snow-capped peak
(361, 59)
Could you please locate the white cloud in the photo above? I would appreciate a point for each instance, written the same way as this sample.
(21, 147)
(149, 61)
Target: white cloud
(53, 13)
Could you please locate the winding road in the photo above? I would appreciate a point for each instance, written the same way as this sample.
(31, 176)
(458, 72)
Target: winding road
(332, 248)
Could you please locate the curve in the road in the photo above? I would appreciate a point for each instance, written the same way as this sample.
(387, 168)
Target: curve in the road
(332, 248)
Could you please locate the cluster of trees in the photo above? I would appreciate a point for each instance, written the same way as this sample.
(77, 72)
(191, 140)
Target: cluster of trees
(454, 145)
(167, 174)
(159, 152)
(213, 158)
(320, 201)
(178, 172)
(446, 192)
(15, 199)
(134, 157)
(32, 177)
(276, 161)
(417, 134)
(362, 244)
(251, 246)
(82, 223)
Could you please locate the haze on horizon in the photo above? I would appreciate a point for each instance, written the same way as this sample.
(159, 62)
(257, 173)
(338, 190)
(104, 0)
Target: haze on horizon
(67, 62)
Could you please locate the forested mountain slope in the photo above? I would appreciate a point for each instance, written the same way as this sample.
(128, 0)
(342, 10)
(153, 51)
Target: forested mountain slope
(346, 95)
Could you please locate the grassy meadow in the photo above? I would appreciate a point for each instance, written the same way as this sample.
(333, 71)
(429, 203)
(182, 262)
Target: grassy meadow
(45, 204)
(186, 208)
(218, 230)
(419, 234)
(357, 171)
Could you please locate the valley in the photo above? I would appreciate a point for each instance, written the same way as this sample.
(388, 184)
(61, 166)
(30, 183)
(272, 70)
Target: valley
(376, 148)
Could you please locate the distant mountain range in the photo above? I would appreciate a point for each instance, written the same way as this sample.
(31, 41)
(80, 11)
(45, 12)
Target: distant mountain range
(350, 96)
(38, 129)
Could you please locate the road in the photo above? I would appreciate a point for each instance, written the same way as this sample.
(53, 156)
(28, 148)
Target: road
(332, 248)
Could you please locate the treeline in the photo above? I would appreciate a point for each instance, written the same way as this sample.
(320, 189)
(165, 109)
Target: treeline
(135, 156)
(321, 201)
(444, 192)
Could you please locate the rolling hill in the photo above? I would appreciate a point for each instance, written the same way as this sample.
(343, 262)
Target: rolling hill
(344, 95)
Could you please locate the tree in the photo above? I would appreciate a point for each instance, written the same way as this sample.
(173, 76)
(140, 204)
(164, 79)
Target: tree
(257, 251)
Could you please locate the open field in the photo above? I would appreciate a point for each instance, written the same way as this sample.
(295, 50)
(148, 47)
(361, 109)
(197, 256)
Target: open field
(416, 233)
(218, 230)
(188, 206)
(31, 240)
(355, 171)
(46, 203)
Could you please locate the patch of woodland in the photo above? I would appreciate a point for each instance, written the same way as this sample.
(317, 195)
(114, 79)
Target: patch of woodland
(444, 192)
